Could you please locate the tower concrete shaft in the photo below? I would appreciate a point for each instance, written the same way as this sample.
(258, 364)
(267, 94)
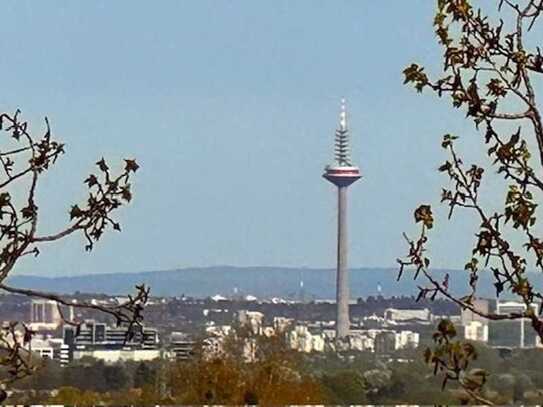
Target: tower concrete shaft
(342, 277)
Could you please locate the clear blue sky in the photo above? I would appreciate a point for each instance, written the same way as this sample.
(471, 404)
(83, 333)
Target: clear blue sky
(230, 108)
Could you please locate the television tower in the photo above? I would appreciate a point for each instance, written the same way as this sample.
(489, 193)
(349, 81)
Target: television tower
(342, 173)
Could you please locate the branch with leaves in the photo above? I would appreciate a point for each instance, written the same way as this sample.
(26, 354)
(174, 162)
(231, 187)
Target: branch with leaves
(490, 73)
(451, 359)
(24, 160)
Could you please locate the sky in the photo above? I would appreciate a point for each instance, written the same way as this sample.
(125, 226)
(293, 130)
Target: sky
(230, 110)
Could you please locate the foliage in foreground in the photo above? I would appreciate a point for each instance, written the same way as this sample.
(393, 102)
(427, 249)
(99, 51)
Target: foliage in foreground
(25, 159)
(280, 376)
(491, 70)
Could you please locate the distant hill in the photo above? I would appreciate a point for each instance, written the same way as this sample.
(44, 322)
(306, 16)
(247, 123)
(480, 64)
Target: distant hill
(262, 282)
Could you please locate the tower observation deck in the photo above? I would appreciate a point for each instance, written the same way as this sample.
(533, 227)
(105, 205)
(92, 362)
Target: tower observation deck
(342, 173)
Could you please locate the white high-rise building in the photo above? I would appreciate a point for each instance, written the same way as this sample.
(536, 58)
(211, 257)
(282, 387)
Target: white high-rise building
(44, 315)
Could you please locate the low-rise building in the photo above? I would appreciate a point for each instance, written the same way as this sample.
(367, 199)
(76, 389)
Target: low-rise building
(47, 347)
(95, 339)
(388, 341)
(119, 355)
(181, 346)
(407, 315)
(476, 330)
(407, 339)
(385, 342)
(481, 305)
(252, 320)
(361, 341)
(301, 339)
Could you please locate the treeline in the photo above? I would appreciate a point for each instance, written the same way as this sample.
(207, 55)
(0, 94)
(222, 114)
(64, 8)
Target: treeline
(189, 316)
(88, 374)
(278, 375)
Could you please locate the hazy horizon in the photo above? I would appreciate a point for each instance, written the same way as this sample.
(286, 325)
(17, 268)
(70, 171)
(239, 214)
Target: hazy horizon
(263, 282)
